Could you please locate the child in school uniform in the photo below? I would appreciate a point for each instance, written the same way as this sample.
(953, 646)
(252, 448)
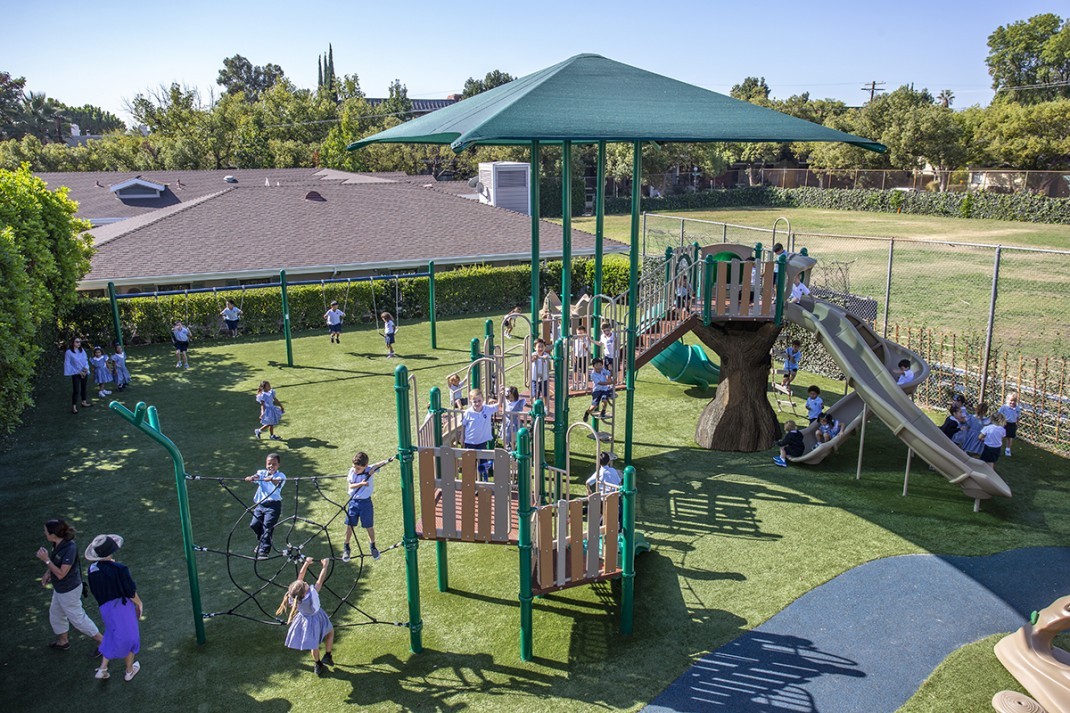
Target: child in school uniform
(359, 508)
(390, 329)
(268, 502)
(791, 445)
(101, 374)
(791, 363)
(271, 410)
(513, 407)
(478, 423)
(602, 389)
(457, 399)
(180, 336)
(906, 374)
(814, 403)
(954, 422)
(540, 371)
(608, 341)
(968, 438)
(122, 374)
(231, 314)
(606, 479)
(1011, 412)
(581, 351)
(992, 437)
(334, 322)
(827, 429)
(309, 624)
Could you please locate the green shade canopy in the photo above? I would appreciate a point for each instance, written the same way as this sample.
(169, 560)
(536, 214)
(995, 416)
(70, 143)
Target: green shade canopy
(590, 98)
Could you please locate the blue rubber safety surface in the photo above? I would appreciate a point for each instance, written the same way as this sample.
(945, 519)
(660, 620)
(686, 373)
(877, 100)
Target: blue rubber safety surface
(866, 640)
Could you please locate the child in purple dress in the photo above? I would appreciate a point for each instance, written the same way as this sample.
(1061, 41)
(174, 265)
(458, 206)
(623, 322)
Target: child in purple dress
(309, 624)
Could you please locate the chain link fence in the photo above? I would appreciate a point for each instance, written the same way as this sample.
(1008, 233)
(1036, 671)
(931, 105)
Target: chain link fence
(989, 319)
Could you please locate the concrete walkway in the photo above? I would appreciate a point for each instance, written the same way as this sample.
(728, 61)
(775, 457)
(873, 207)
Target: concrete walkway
(866, 640)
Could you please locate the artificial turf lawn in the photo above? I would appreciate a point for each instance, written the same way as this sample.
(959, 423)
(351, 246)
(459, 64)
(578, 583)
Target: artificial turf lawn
(734, 540)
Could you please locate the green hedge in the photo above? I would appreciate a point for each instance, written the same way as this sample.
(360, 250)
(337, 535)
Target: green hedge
(1025, 207)
(466, 290)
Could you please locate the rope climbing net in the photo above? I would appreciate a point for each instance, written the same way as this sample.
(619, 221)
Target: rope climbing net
(261, 580)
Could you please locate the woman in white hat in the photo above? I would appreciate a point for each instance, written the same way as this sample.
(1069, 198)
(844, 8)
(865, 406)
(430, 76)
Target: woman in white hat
(120, 605)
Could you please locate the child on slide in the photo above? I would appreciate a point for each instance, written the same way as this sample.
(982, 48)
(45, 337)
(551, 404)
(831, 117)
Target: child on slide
(791, 445)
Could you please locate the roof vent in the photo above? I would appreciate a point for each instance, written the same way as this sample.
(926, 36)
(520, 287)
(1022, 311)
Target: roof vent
(230, 179)
(315, 196)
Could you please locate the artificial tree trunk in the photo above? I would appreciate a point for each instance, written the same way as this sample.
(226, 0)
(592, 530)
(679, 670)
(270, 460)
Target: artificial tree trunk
(739, 418)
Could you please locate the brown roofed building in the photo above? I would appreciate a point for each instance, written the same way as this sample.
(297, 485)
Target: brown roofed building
(324, 224)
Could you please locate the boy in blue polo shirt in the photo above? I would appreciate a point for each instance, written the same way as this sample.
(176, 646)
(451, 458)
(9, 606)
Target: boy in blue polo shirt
(601, 389)
(268, 498)
(359, 509)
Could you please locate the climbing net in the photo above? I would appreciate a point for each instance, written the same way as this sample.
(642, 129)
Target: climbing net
(257, 577)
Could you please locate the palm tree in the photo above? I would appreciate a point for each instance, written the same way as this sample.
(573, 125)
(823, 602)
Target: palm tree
(945, 97)
(40, 115)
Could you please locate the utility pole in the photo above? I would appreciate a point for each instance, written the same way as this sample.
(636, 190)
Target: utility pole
(873, 88)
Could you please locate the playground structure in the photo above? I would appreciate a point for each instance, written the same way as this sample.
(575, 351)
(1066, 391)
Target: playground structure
(237, 294)
(1042, 668)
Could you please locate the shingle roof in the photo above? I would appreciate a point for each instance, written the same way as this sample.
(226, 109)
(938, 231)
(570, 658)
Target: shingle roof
(249, 230)
(99, 205)
(418, 105)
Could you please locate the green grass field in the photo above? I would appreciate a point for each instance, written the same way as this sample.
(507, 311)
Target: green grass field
(940, 284)
(734, 540)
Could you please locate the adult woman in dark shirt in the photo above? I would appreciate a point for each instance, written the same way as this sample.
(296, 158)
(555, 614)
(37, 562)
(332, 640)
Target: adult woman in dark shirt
(65, 575)
(120, 606)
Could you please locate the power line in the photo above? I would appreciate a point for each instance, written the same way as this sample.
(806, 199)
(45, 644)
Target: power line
(873, 88)
(1047, 85)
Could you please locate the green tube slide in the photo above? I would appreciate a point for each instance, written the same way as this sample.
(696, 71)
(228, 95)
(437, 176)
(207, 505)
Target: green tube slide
(687, 365)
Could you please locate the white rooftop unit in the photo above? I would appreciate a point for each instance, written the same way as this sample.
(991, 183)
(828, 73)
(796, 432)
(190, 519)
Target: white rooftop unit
(505, 184)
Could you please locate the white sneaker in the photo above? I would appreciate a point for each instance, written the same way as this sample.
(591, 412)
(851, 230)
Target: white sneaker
(101, 674)
(178, 365)
(101, 393)
(1007, 452)
(129, 675)
(106, 392)
(187, 366)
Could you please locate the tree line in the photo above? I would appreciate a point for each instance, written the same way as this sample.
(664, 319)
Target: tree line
(262, 120)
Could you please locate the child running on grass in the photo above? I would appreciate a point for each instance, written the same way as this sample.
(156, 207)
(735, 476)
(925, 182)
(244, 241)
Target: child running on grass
(180, 335)
(231, 314)
(122, 374)
(359, 508)
(309, 624)
(334, 322)
(1011, 412)
(101, 374)
(390, 328)
(814, 403)
(992, 437)
(271, 410)
(602, 389)
(791, 445)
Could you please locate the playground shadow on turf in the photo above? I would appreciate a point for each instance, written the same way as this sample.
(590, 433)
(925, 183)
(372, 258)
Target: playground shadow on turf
(757, 672)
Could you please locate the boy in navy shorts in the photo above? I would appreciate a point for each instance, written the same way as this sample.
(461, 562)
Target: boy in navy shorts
(359, 509)
(602, 389)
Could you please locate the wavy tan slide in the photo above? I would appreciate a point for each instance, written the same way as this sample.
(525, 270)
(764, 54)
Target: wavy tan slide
(855, 350)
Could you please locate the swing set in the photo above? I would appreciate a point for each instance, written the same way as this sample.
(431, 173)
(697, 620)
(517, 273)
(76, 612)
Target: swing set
(283, 284)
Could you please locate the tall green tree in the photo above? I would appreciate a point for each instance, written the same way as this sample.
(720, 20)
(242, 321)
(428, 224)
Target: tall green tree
(239, 75)
(11, 89)
(42, 117)
(1029, 60)
(92, 119)
(751, 89)
(398, 102)
(493, 78)
(43, 254)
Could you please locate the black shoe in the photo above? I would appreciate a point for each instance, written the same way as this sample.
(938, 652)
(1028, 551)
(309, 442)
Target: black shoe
(328, 660)
(320, 668)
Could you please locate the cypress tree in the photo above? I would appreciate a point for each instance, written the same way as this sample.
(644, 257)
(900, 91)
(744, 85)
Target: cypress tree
(319, 72)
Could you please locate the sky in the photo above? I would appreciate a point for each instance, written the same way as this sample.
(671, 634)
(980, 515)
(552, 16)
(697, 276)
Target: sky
(106, 53)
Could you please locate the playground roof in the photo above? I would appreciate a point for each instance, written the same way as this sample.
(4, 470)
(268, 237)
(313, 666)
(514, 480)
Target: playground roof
(590, 98)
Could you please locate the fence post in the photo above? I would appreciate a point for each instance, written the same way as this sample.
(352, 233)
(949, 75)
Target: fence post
(991, 323)
(441, 555)
(724, 233)
(523, 480)
(286, 319)
(888, 286)
(115, 314)
(408, 509)
(431, 302)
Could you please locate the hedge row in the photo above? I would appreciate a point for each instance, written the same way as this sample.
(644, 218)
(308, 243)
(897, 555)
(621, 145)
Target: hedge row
(466, 290)
(1025, 207)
